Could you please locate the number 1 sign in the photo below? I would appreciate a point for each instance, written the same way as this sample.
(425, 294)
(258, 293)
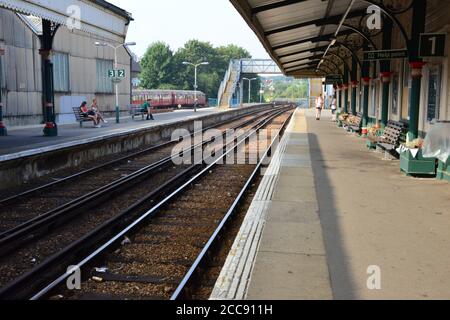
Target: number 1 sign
(432, 45)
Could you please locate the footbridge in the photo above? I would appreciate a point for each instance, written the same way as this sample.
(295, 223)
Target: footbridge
(231, 90)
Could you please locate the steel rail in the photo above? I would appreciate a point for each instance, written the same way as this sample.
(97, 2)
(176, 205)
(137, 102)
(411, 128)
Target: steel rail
(181, 291)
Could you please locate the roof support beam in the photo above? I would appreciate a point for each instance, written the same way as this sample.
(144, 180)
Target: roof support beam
(322, 21)
(309, 64)
(275, 5)
(321, 48)
(313, 57)
(356, 30)
(325, 37)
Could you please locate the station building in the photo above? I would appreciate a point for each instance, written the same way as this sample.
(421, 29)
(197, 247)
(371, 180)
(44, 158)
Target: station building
(310, 39)
(80, 69)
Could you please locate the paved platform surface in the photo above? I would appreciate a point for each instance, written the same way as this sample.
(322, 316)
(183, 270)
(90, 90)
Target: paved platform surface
(28, 138)
(338, 210)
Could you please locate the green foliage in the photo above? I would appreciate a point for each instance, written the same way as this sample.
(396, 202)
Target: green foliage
(288, 88)
(156, 65)
(163, 69)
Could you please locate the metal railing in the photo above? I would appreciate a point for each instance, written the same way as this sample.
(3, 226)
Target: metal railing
(224, 83)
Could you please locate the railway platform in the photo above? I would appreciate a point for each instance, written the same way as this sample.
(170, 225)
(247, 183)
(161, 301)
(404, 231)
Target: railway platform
(332, 220)
(27, 140)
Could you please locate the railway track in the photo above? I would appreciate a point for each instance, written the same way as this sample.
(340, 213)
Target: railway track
(24, 206)
(23, 214)
(63, 240)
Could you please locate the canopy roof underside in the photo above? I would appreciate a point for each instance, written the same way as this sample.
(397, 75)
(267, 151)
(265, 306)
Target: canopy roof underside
(296, 33)
(97, 17)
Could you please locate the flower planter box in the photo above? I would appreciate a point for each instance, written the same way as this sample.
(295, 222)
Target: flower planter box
(443, 171)
(418, 166)
(371, 145)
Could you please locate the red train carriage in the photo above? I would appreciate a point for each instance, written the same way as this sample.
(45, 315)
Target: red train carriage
(167, 99)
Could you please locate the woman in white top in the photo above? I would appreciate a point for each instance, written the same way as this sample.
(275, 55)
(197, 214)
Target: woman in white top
(319, 106)
(333, 107)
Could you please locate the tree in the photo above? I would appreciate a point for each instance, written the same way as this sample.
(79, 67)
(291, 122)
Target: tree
(163, 69)
(156, 66)
(231, 52)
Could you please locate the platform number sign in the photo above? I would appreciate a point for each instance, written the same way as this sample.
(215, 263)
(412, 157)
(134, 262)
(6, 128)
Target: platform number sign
(432, 45)
(121, 73)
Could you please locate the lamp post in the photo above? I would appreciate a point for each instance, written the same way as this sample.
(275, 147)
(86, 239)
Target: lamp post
(261, 92)
(3, 131)
(116, 66)
(250, 88)
(195, 78)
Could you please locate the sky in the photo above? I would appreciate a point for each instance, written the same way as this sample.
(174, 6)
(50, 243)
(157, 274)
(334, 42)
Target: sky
(177, 21)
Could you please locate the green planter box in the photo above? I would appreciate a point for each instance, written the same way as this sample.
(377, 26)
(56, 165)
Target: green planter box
(443, 171)
(418, 166)
(371, 145)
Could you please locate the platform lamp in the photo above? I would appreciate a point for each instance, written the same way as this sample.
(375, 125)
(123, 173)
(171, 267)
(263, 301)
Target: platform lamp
(205, 63)
(250, 88)
(116, 66)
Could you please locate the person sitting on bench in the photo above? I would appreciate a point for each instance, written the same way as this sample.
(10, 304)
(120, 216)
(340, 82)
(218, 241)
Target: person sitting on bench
(86, 113)
(146, 108)
(94, 107)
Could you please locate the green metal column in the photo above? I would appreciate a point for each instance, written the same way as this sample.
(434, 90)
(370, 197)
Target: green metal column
(354, 95)
(50, 129)
(365, 72)
(345, 87)
(386, 73)
(354, 85)
(340, 97)
(3, 131)
(365, 123)
(386, 81)
(416, 63)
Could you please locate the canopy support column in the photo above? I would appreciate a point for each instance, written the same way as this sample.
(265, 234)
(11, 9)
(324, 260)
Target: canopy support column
(416, 63)
(3, 130)
(50, 129)
(354, 84)
(386, 73)
(366, 84)
(345, 87)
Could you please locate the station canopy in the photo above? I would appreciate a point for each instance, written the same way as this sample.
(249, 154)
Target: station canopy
(97, 17)
(296, 33)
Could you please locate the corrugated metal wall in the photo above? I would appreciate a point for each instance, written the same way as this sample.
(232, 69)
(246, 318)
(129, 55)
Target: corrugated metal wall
(22, 70)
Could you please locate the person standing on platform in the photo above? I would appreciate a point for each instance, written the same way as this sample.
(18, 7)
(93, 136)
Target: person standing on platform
(333, 108)
(319, 106)
(146, 108)
(195, 105)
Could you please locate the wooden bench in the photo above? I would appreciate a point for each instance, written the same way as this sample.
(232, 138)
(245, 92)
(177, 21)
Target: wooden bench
(79, 116)
(354, 126)
(392, 137)
(136, 110)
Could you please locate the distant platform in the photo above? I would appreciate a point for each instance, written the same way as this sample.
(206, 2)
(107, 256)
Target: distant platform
(26, 141)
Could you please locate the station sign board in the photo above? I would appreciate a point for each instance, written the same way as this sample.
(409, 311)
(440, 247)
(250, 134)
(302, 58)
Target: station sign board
(333, 78)
(385, 55)
(432, 45)
(120, 73)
